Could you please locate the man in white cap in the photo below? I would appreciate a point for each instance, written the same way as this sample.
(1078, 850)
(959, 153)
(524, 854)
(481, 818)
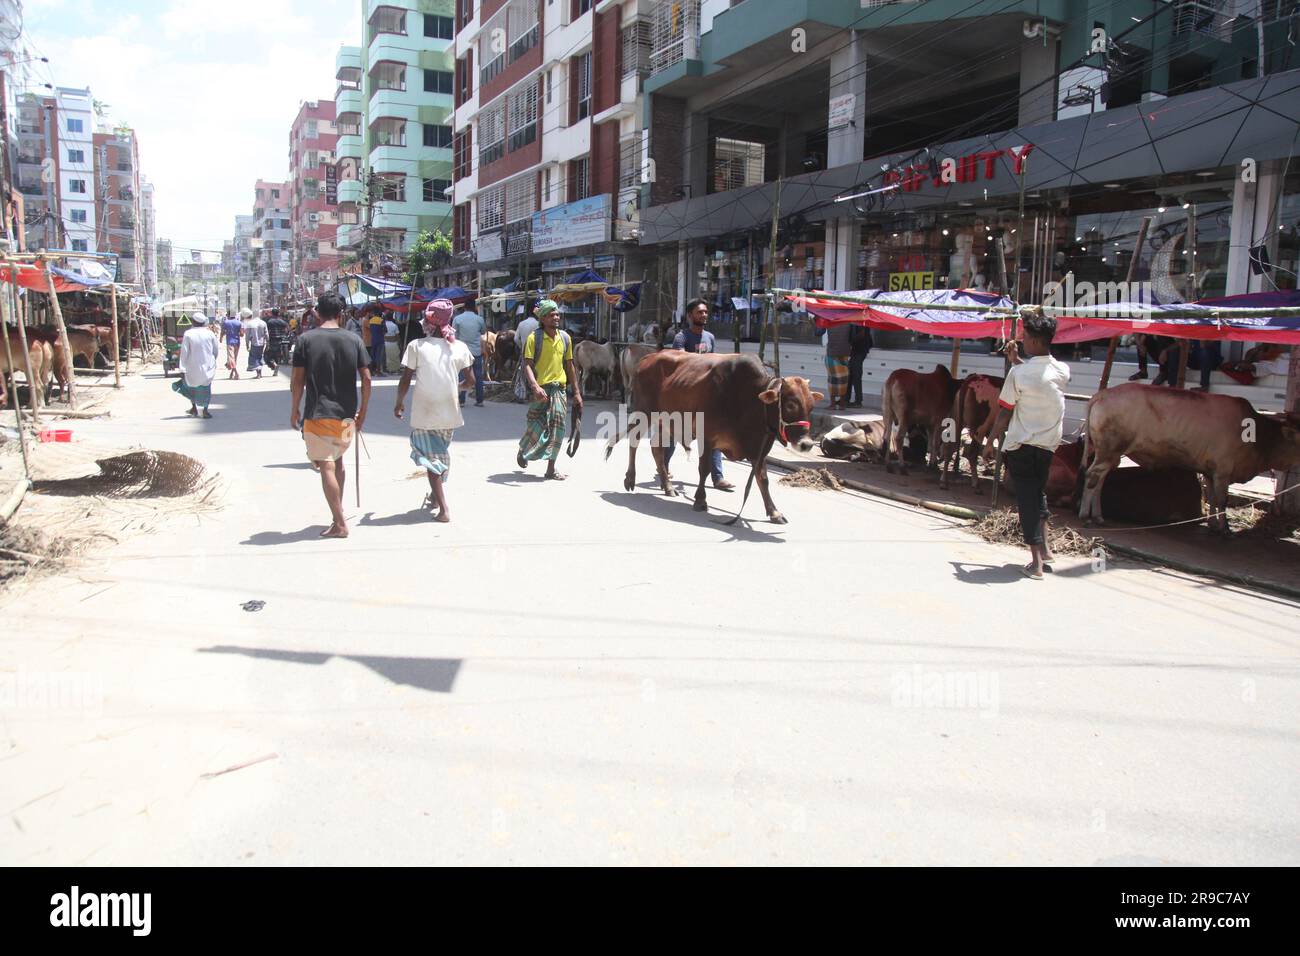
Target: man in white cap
(198, 364)
(255, 334)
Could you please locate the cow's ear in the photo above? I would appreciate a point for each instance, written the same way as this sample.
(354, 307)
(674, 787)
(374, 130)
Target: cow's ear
(769, 396)
(817, 396)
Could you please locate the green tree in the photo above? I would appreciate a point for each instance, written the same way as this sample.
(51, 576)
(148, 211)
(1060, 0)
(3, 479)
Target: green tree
(430, 251)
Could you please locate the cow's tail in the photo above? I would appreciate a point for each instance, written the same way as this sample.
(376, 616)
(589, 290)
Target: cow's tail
(749, 485)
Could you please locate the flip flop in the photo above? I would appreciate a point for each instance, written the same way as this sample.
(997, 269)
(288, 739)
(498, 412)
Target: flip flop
(555, 476)
(520, 460)
(1031, 574)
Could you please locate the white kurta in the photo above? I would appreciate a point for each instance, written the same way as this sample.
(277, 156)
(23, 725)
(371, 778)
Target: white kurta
(199, 357)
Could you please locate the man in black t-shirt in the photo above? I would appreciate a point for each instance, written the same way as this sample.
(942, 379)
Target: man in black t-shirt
(326, 362)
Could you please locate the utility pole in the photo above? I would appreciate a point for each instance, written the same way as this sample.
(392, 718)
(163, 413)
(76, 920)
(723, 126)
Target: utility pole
(365, 232)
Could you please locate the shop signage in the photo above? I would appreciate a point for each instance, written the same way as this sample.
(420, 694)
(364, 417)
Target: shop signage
(581, 223)
(488, 248)
(331, 185)
(960, 169)
(842, 108)
(910, 281)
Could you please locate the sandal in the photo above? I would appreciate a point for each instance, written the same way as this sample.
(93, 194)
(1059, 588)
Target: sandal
(1030, 573)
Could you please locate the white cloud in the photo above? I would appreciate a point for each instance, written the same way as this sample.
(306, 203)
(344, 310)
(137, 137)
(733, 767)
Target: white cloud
(210, 88)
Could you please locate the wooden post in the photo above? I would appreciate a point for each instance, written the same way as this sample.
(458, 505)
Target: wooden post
(34, 395)
(63, 332)
(1289, 503)
(956, 356)
(1184, 348)
(117, 370)
(129, 319)
(771, 300)
(1128, 284)
(9, 354)
(997, 461)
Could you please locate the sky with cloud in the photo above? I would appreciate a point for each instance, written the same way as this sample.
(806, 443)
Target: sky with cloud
(210, 86)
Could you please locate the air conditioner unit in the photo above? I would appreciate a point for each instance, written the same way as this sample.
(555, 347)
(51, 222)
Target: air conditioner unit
(313, 217)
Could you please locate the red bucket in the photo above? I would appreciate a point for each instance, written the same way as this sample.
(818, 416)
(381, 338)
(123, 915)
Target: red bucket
(55, 434)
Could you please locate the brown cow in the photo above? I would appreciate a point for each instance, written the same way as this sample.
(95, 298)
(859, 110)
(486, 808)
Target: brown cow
(507, 354)
(1222, 437)
(912, 399)
(42, 356)
(975, 407)
(488, 348)
(741, 406)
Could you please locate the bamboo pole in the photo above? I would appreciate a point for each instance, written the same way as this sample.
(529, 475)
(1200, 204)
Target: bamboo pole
(63, 333)
(956, 356)
(33, 389)
(117, 369)
(771, 263)
(1128, 282)
(9, 354)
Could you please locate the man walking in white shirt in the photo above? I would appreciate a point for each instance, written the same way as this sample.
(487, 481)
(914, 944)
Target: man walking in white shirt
(198, 364)
(439, 364)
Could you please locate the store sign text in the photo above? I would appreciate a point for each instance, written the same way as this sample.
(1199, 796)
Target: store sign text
(910, 281)
(962, 169)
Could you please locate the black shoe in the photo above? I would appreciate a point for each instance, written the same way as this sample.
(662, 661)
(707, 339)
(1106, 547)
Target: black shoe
(206, 413)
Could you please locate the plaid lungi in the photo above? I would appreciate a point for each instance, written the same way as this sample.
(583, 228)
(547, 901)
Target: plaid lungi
(544, 432)
(232, 355)
(837, 378)
(200, 395)
(431, 449)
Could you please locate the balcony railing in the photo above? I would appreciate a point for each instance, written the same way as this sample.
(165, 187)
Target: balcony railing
(676, 33)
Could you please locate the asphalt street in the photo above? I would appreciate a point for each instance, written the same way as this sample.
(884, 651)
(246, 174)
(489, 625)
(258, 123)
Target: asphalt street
(570, 673)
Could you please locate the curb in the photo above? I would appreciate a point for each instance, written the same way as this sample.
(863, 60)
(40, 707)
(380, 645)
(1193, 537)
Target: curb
(957, 511)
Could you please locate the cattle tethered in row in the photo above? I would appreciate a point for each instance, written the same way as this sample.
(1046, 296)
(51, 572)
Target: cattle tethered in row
(744, 409)
(1221, 437)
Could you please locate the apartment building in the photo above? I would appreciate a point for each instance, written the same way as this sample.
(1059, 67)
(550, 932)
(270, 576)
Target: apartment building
(148, 236)
(242, 264)
(272, 240)
(75, 116)
(166, 267)
(929, 121)
(36, 178)
(548, 137)
(314, 193)
(118, 229)
(393, 109)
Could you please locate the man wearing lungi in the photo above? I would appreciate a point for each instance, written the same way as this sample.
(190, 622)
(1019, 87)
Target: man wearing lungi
(439, 364)
(198, 362)
(548, 369)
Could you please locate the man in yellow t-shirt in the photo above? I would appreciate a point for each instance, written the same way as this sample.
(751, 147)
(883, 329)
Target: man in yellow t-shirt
(547, 375)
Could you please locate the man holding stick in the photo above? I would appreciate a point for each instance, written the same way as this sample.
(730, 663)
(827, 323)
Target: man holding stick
(326, 363)
(547, 370)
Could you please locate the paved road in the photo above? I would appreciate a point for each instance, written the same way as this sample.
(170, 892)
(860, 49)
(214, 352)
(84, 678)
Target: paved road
(569, 673)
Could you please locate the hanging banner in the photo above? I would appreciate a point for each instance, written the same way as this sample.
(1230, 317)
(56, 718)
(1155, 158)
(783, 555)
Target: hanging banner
(581, 223)
(331, 185)
(841, 113)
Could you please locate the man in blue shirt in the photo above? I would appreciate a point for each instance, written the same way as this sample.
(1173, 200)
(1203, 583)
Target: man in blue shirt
(470, 327)
(694, 337)
(232, 331)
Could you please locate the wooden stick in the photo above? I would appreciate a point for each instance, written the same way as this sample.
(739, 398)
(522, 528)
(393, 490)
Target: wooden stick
(9, 354)
(33, 390)
(356, 478)
(1184, 349)
(117, 368)
(63, 332)
(1128, 282)
(956, 356)
(14, 500)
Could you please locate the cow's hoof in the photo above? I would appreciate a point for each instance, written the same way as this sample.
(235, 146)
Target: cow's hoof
(629, 484)
(700, 505)
(777, 518)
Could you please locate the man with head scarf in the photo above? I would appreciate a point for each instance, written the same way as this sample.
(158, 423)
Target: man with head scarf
(198, 363)
(439, 363)
(548, 369)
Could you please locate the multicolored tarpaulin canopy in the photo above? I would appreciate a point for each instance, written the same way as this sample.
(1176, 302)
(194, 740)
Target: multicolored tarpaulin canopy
(33, 277)
(962, 313)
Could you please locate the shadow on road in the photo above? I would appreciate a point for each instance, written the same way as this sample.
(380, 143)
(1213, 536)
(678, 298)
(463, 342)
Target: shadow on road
(414, 516)
(290, 464)
(679, 509)
(987, 573)
(435, 674)
(309, 533)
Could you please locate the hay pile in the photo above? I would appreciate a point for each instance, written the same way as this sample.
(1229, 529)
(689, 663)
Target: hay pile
(28, 551)
(812, 478)
(1003, 527)
(1259, 521)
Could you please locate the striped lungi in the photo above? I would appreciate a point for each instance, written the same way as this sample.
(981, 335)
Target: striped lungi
(232, 355)
(544, 432)
(837, 378)
(199, 395)
(431, 449)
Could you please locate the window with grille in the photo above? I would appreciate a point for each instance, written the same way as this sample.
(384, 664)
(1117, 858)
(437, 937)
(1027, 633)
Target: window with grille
(736, 164)
(523, 116)
(491, 208)
(437, 81)
(629, 161)
(493, 61)
(392, 188)
(492, 133)
(439, 137)
(581, 178)
(521, 198)
(582, 64)
(78, 215)
(521, 27)
(435, 190)
(637, 43)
